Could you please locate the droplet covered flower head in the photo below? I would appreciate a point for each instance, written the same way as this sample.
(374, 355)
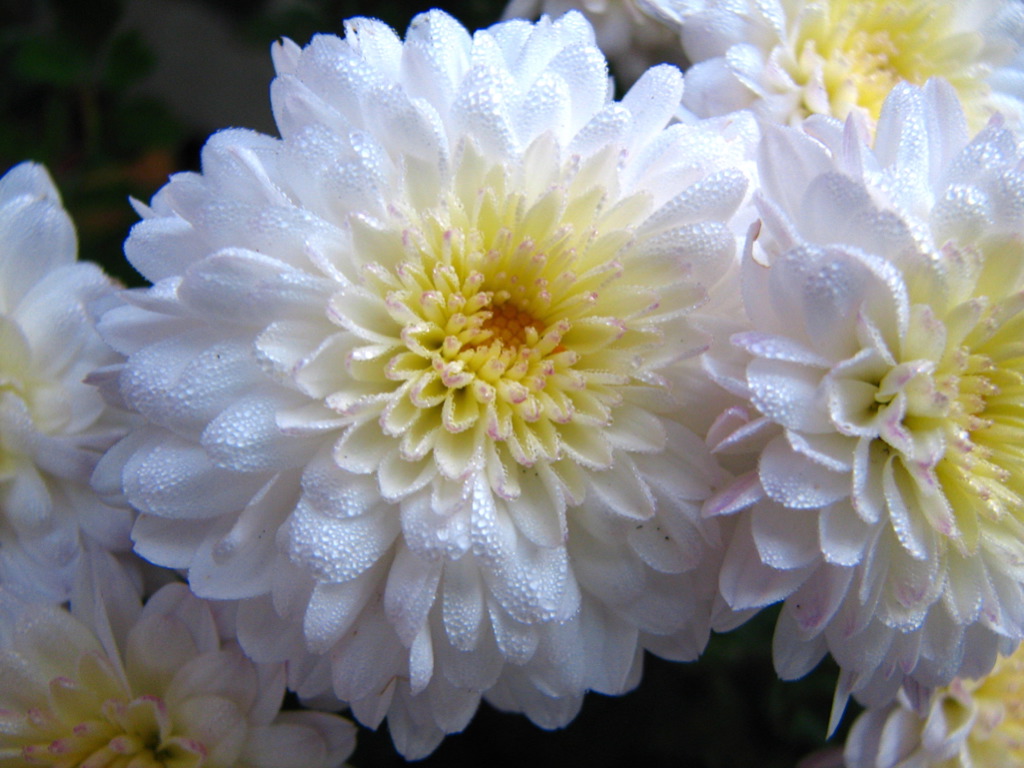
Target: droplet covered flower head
(883, 379)
(788, 60)
(410, 371)
(53, 426)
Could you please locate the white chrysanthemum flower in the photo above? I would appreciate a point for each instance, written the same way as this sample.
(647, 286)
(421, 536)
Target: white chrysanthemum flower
(113, 683)
(632, 34)
(970, 723)
(884, 376)
(787, 59)
(53, 426)
(410, 371)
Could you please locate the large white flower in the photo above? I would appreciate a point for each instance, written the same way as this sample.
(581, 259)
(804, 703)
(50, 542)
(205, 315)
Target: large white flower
(409, 371)
(113, 683)
(970, 723)
(787, 59)
(883, 374)
(53, 426)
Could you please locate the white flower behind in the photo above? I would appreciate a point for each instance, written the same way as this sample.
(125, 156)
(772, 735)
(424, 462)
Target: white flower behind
(787, 59)
(53, 426)
(113, 683)
(967, 724)
(883, 375)
(410, 372)
(632, 34)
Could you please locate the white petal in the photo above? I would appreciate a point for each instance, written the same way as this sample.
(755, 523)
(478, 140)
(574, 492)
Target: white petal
(785, 538)
(410, 593)
(38, 235)
(283, 746)
(365, 662)
(338, 549)
(463, 603)
(623, 489)
(245, 437)
(336, 735)
(746, 582)
(793, 653)
(516, 640)
(333, 608)
(843, 534)
(232, 564)
(790, 479)
(171, 477)
(788, 394)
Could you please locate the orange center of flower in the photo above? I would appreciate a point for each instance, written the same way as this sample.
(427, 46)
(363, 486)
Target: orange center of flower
(508, 324)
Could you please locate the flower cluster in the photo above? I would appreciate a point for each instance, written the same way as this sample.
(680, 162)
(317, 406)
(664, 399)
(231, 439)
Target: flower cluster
(476, 383)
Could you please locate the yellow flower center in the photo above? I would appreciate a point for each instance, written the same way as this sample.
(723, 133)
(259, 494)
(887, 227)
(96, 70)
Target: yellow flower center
(496, 312)
(859, 49)
(945, 407)
(482, 334)
(982, 471)
(951, 408)
(504, 321)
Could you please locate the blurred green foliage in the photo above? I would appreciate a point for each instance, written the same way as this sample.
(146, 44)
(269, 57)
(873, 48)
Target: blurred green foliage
(68, 101)
(74, 97)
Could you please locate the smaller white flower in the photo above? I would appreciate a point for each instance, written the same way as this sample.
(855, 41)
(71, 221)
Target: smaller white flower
(116, 684)
(633, 34)
(53, 426)
(882, 369)
(969, 723)
(790, 59)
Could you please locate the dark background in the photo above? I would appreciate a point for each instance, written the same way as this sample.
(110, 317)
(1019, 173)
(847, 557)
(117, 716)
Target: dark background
(115, 95)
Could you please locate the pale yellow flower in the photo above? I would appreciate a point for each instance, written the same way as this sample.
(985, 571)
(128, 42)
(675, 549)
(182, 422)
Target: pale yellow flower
(116, 686)
(787, 59)
(968, 724)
